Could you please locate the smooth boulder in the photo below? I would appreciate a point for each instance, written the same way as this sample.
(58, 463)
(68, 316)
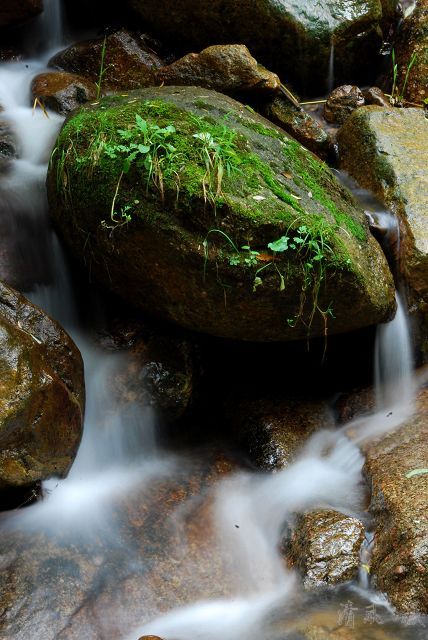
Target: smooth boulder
(386, 150)
(189, 205)
(61, 91)
(41, 394)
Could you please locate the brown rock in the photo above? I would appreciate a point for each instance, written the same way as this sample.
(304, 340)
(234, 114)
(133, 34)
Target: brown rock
(325, 546)
(273, 430)
(41, 393)
(398, 505)
(151, 557)
(299, 124)
(386, 150)
(62, 92)
(413, 40)
(230, 69)
(18, 11)
(342, 102)
(128, 64)
(374, 95)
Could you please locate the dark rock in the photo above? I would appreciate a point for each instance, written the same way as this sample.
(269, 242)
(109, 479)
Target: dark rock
(325, 546)
(386, 150)
(14, 12)
(292, 39)
(374, 95)
(342, 102)
(41, 393)
(230, 69)
(299, 124)
(272, 430)
(8, 145)
(185, 252)
(62, 92)
(398, 505)
(128, 64)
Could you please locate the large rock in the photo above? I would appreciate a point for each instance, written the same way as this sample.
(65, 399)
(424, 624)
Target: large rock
(230, 69)
(19, 11)
(41, 393)
(398, 505)
(125, 64)
(293, 39)
(386, 150)
(189, 240)
(413, 40)
(62, 92)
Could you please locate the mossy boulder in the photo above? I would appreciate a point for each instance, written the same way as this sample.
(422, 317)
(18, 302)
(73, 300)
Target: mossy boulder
(41, 394)
(291, 38)
(172, 197)
(386, 150)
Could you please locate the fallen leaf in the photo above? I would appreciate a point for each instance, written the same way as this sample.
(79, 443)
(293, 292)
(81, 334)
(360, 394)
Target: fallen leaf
(416, 472)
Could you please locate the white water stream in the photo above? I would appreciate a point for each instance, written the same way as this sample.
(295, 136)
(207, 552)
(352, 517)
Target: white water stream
(119, 452)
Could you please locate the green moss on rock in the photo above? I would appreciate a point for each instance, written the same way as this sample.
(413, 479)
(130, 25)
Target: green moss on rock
(223, 175)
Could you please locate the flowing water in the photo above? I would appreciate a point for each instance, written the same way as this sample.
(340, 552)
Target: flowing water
(119, 455)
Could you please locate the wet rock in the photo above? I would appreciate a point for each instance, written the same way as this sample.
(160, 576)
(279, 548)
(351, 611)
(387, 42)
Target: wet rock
(413, 40)
(299, 124)
(398, 505)
(325, 546)
(62, 92)
(128, 63)
(273, 430)
(14, 12)
(386, 150)
(8, 145)
(83, 578)
(342, 102)
(161, 373)
(374, 95)
(41, 394)
(288, 38)
(230, 69)
(193, 226)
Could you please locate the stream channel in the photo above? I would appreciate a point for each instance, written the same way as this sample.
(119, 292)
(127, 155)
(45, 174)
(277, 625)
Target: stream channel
(106, 570)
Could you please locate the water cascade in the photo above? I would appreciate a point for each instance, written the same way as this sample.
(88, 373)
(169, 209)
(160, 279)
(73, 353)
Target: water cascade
(119, 454)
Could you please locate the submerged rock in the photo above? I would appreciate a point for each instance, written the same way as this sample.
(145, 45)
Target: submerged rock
(8, 145)
(325, 546)
(386, 150)
(186, 230)
(398, 505)
(229, 68)
(62, 92)
(41, 393)
(125, 64)
(292, 38)
(342, 102)
(299, 124)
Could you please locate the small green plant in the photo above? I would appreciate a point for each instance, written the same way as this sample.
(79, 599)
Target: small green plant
(148, 147)
(219, 157)
(397, 95)
(103, 68)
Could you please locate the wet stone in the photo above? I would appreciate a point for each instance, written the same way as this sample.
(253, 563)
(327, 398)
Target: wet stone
(342, 102)
(62, 92)
(325, 546)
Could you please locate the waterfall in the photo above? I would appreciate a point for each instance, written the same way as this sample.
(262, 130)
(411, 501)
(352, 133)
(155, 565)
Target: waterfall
(330, 74)
(119, 452)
